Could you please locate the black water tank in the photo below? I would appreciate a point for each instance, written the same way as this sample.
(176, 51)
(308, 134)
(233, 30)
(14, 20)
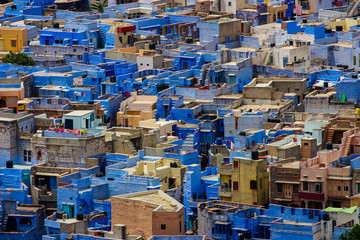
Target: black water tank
(99, 174)
(41, 182)
(113, 78)
(327, 30)
(339, 28)
(254, 155)
(56, 25)
(91, 102)
(328, 146)
(326, 84)
(189, 40)
(304, 20)
(79, 216)
(152, 46)
(9, 164)
(59, 215)
(84, 75)
(354, 76)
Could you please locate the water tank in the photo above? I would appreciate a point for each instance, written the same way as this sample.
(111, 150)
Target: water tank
(79, 216)
(56, 25)
(152, 46)
(219, 141)
(254, 155)
(84, 75)
(113, 78)
(99, 174)
(91, 102)
(41, 182)
(9, 164)
(339, 28)
(304, 20)
(354, 76)
(328, 146)
(327, 30)
(59, 215)
(189, 40)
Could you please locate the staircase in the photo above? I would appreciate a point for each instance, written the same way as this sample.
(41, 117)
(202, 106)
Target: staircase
(330, 135)
(266, 59)
(131, 146)
(4, 222)
(347, 146)
(103, 35)
(189, 142)
(353, 8)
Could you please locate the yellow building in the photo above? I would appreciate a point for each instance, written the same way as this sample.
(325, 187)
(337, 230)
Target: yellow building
(13, 39)
(244, 181)
(170, 172)
(344, 23)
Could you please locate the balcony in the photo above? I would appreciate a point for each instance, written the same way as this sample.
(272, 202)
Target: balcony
(312, 196)
(225, 192)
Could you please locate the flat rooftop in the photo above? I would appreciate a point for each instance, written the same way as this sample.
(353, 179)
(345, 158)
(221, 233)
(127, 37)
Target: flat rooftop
(78, 113)
(165, 202)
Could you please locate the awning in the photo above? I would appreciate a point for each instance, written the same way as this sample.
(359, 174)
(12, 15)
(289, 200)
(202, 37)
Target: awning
(288, 182)
(345, 210)
(222, 223)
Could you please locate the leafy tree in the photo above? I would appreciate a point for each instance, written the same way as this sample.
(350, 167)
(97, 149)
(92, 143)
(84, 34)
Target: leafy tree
(99, 6)
(18, 59)
(353, 234)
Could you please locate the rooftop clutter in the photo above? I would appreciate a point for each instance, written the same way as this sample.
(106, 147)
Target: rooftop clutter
(200, 119)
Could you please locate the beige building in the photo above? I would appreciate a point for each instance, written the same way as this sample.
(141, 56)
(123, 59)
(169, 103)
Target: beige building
(135, 109)
(275, 88)
(170, 172)
(148, 213)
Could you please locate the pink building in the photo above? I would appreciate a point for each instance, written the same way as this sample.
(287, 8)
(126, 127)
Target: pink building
(314, 179)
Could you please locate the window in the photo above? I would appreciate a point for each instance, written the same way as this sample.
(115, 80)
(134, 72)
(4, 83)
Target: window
(27, 156)
(253, 184)
(306, 144)
(236, 164)
(189, 116)
(229, 4)
(318, 188)
(354, 60)
(279, 187)
(49, 101)
(358, 185)
(74, 50)
(295, 188)
(147, 64)
(180, 226)
(346, 188)
(13, 43)
(163, 226)
(292, 211)
(235, 186)
(305, 186)
(339, 188)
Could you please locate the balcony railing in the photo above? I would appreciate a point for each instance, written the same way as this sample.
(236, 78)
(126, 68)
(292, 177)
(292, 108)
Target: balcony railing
(312, 196)
(225, 192)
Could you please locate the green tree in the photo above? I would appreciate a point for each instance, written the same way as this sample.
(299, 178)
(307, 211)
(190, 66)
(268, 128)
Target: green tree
(99, 6)
(18, 59)
(352, 234)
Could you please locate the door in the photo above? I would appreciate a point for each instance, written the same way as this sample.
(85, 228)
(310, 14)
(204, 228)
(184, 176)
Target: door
(1, 45)
(285, 61)
(185, 65)
(69, 124)
(288, 191)
(87, 123)
(46, 42)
